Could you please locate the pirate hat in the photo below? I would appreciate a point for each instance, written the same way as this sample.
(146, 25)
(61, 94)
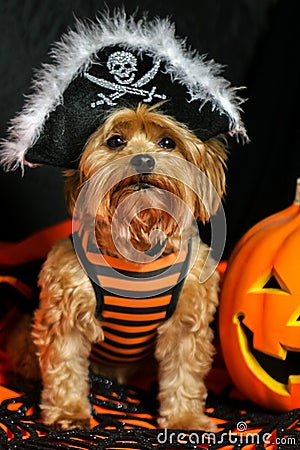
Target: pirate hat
(112, 63)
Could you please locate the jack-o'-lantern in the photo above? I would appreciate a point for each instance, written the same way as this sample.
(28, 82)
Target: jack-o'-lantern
(259, 317)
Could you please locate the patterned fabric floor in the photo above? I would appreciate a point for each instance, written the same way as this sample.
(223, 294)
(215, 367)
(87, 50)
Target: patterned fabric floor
(124, 418)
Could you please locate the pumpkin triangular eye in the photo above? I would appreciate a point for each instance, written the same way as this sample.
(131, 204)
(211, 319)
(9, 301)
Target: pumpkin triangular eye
(272, 283)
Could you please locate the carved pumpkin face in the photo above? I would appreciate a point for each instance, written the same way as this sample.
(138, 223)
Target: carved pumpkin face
(260, 312)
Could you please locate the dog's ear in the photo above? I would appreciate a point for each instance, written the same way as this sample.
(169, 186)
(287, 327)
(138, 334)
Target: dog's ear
(211, 160)
(72, 187)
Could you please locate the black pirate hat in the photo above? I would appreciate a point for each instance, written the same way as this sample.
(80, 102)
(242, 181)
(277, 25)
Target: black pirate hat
(112, 63)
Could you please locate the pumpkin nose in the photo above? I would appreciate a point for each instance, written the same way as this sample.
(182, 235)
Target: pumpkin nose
(142, 163)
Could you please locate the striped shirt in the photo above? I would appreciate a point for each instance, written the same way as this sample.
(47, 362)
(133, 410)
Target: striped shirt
(133, 299)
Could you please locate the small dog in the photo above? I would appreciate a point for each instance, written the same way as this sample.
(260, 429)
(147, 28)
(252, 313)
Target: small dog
(66, 327)
(133, 287)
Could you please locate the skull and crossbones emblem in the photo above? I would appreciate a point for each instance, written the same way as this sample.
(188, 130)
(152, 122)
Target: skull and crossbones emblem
(123, 66)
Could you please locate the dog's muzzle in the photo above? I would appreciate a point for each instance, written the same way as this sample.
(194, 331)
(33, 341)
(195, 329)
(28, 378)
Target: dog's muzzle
(142, 163)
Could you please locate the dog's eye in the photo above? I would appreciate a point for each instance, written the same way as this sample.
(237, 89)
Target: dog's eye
(167, 143)
(115, 142)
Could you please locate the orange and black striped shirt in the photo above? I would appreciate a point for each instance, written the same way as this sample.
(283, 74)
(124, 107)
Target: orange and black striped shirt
(133, 299)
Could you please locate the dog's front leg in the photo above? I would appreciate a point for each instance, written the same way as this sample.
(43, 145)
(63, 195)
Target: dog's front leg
(184, 352)
(64, 370)
(63, 331)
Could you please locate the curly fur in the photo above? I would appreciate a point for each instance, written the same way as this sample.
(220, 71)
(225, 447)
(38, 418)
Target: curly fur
(65, 326)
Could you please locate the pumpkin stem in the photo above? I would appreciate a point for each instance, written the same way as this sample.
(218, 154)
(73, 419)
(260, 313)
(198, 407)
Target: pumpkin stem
(297, 195)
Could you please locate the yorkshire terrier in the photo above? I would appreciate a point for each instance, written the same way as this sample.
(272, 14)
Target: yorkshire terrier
(69, 334)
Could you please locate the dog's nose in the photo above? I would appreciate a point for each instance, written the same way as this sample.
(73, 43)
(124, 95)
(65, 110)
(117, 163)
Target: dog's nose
(142, 163)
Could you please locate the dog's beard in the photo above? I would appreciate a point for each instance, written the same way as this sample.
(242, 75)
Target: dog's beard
(144, 213)
(134, 212)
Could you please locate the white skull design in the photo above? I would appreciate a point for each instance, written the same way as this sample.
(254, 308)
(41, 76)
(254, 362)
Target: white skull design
(122, 66)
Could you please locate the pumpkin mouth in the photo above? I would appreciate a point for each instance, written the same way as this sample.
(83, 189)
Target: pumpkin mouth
(274, 372)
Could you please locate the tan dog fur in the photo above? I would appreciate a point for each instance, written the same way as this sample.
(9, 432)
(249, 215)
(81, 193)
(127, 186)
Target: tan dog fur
(65, 326)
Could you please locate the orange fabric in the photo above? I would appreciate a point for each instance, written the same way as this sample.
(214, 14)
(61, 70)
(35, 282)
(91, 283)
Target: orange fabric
(131, 295)
(139, 340)
(139, 329)
(6, 393)
(221, 268)
(136, 317)
(154, 265)
(142, 303)
(34, 247)
(18, 284)
(163, 283)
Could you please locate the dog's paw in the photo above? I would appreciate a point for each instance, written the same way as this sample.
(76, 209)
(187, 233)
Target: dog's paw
(188, 422)
(73, 415)
(69, 424)
(57, 419)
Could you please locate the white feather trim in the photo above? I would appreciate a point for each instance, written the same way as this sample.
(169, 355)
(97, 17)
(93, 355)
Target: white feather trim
(76, 51)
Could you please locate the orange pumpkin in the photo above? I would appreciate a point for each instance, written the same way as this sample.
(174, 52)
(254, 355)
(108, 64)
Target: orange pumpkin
(259, 316)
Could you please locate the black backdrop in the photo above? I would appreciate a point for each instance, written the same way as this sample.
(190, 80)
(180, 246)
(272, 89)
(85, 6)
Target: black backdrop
(258, 42)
